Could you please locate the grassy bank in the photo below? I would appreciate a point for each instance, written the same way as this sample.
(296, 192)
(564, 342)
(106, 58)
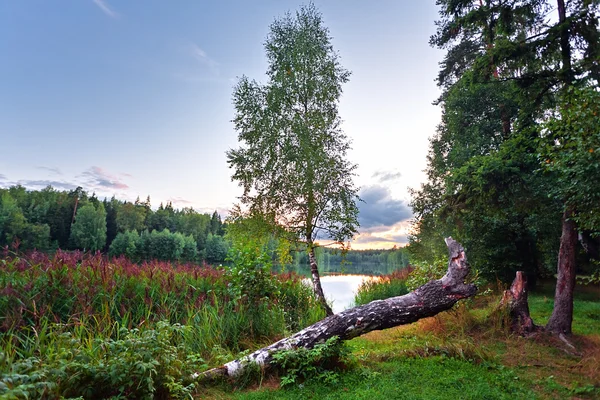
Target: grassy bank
(466, 353)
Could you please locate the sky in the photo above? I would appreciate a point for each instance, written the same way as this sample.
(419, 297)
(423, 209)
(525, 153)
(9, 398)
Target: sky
(132, 98)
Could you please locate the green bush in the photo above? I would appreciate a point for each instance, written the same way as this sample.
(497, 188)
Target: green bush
(141, 364)
(319, 364)
(425, 272)
(384, 287)
(250, 274)
(127, 244)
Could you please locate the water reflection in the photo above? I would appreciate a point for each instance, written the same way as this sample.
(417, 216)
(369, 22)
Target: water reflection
(340, 289)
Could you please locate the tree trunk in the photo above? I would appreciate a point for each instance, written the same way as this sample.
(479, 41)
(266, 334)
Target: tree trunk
(516, 300)
(565, 45)
(425, 301)
(562, 314)
(316, 281)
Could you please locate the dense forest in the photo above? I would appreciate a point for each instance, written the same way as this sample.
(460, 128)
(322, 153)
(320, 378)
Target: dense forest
(50, 219)
(513, 169)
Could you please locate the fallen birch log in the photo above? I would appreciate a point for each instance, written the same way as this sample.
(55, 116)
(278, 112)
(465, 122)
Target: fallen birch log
(425, 301)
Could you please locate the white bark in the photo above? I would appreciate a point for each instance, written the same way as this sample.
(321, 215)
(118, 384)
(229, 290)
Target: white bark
(425, 301)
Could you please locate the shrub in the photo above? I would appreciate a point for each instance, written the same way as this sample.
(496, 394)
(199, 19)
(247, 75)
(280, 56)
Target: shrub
(384, 287)
(140, 364)
(424, 272)
(319, 364)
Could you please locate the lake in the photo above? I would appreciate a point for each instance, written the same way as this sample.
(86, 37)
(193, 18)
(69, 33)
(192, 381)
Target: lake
(340, 289)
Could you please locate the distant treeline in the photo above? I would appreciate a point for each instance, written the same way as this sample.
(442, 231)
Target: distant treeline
(49, 219)
(373, 262)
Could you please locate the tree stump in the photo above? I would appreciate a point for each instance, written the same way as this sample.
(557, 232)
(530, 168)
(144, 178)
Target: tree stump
(515, 299)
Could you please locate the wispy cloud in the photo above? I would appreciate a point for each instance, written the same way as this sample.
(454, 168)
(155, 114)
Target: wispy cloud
(53, 170)
(42, 183)
(203, 58)
(386, 176)
(3, 177)
(106, 9)
(99, 179)
(180, 201)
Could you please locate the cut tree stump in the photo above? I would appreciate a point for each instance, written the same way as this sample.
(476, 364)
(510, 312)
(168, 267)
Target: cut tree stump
(515, 299)
(425, 301)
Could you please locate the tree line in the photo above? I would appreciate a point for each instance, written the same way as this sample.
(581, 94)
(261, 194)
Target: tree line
(49, 219)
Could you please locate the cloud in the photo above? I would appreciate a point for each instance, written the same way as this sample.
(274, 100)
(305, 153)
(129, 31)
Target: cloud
(386, 176)
(179, 200)
(98, 179)
(3, 177)
(53, 170)
(106, 9)
(42, 183)
(379, 209)
(369, 238)
(201, 56)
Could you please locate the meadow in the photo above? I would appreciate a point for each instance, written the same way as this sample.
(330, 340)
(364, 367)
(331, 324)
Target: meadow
(77, 325)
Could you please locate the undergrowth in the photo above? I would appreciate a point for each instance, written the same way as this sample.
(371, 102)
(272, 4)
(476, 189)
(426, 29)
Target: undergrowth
(77, 324)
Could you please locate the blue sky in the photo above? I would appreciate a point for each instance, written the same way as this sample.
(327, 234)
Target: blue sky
(133, 98)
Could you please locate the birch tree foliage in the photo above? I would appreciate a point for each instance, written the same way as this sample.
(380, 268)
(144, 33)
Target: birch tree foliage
(291, 162)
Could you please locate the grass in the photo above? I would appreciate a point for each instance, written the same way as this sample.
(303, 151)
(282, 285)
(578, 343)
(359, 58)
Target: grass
(384, 287)
(465, 353)
(76, 324)
(83, 325)
(411, 378)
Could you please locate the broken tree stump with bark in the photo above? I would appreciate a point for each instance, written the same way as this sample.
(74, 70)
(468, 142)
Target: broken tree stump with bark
(425, 301)
(515, 300)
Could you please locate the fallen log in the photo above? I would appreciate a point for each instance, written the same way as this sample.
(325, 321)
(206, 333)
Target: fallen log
(425, 301)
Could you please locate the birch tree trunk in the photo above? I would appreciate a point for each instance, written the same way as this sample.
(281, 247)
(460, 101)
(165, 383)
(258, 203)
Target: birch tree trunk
(316, 281)
(425, 301)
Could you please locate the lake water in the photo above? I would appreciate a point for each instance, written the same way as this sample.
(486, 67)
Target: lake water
(340, 289)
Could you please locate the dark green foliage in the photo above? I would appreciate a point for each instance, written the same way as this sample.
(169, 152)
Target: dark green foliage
(154, 246)
(111, 220)
(130, 217)
(89, 229)
(570, 152)
(14, 226)
(504, 78)
(43, 220)
(216, 248)
(317, 365)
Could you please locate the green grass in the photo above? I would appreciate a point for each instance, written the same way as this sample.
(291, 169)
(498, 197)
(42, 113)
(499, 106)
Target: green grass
(586, 311)
(464, 353)
(384, 287)
(412, 378)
